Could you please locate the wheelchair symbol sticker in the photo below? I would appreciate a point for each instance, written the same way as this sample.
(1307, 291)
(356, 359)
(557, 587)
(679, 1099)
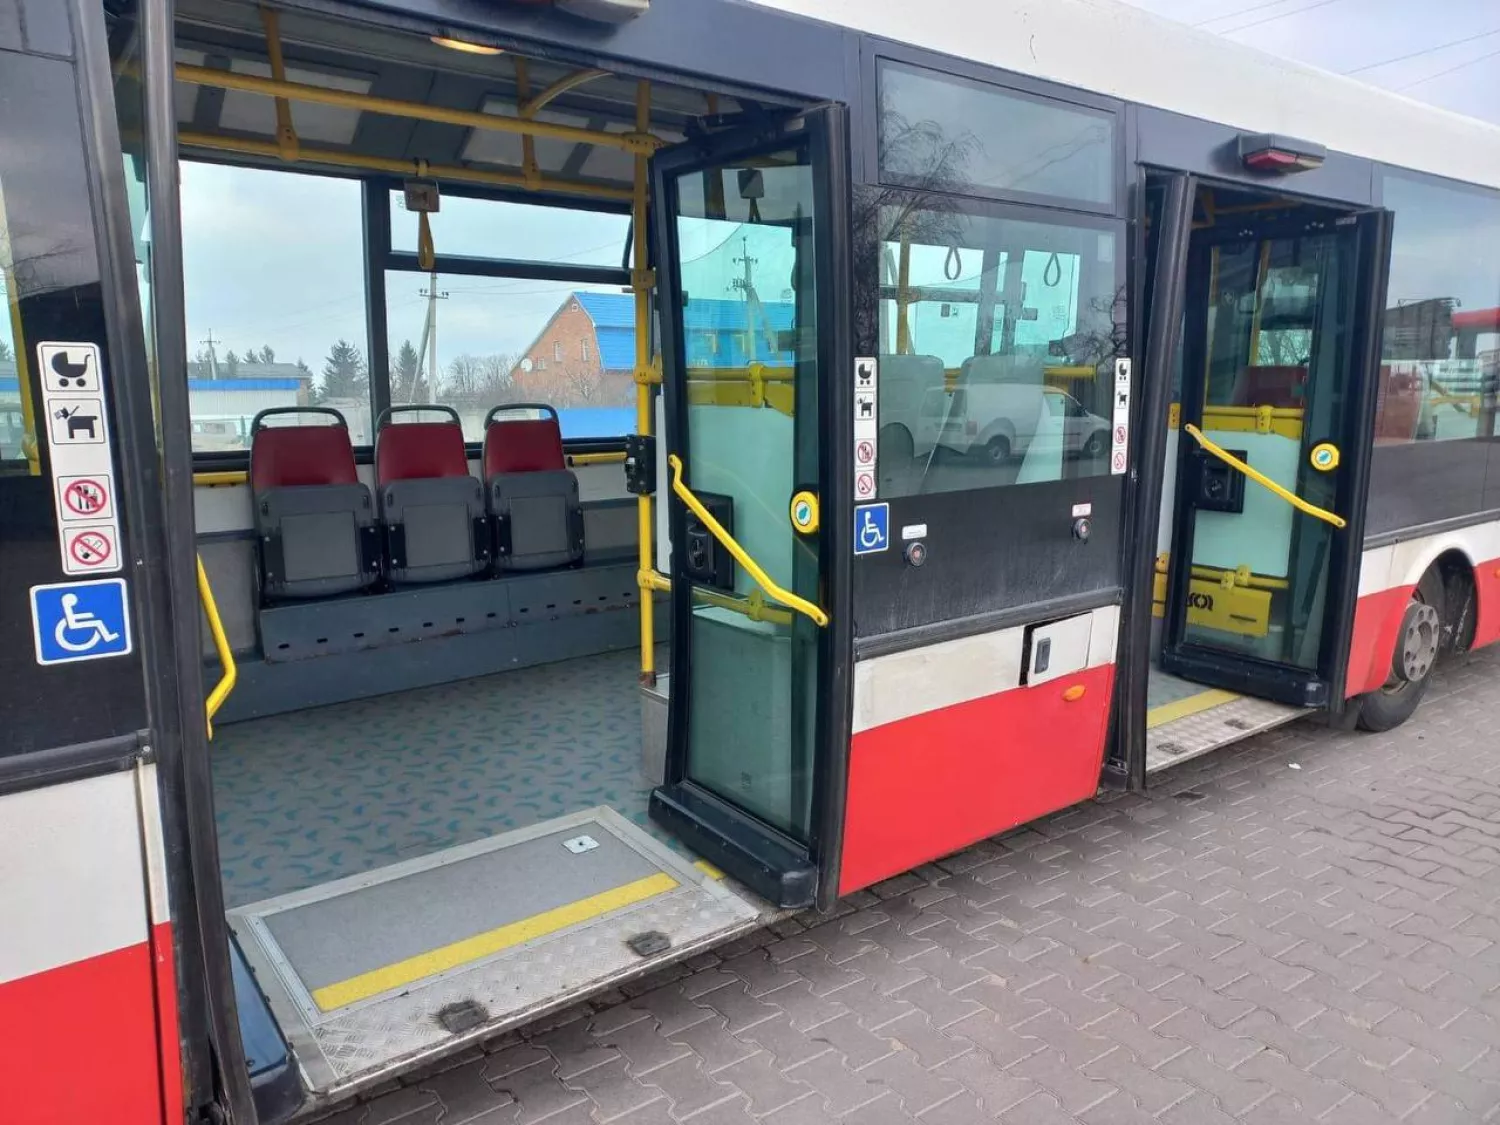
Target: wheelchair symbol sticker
(872, 528)
(72, 621)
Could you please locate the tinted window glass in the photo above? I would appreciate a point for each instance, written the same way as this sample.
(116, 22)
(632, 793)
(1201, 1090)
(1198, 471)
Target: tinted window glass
(997, 341)
(951, 134)
(1441, 346)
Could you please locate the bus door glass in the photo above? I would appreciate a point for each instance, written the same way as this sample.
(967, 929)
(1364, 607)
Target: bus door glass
(746, 226)
(1275, 433)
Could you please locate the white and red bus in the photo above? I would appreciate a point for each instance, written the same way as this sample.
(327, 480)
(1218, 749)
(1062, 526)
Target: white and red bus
(501, 496)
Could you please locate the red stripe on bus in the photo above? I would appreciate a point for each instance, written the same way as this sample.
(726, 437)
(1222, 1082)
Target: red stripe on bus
(1487, 591)
(923, 787)
(80, 1043)
(1377, 623)
(168, 1035)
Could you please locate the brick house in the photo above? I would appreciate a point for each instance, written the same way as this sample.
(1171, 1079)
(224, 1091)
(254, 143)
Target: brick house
(585, 354)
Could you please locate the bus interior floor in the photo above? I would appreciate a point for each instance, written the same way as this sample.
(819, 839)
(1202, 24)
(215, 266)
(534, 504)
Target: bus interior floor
(311, 796)
(1185, 720)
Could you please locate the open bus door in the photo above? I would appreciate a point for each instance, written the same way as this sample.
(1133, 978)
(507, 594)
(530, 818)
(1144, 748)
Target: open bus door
(1281, 350)
(752, 226)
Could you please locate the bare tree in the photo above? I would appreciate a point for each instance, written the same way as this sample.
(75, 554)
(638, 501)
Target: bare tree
(896, 214)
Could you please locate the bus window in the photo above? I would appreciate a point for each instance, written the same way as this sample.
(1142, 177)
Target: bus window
(274, 279)
(1009, 311)
(1445, 267)
(490, 332)
(504, 230)
(494, 340)
(945, 132)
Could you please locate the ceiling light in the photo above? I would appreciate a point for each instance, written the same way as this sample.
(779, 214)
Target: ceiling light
(466, 46)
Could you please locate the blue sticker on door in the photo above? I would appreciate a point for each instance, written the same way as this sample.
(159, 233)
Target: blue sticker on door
(872, 528)
(72, 621)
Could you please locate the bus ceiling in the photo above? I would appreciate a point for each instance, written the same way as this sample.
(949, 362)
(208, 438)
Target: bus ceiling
(291, 87)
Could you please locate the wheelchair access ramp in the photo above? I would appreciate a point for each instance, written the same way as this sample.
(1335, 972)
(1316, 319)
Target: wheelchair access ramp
(1186, 720)
(373, 973)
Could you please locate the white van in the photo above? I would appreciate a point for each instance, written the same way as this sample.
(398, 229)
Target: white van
(1002, 410)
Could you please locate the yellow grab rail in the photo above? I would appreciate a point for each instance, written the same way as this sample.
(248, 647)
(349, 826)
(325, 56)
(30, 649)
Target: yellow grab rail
(231, 672)
(1264, 481)
(764, 580)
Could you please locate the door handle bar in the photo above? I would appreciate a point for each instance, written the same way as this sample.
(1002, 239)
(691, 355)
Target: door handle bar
(741, 556)
(1264, 481)
(230, 672)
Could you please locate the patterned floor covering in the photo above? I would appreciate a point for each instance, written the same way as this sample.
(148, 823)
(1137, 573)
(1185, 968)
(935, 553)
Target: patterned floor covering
(320, 794)
(1163, 687)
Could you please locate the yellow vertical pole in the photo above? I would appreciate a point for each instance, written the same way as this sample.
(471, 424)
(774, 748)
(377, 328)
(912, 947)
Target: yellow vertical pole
(903, 296)
(645, 375)
(30, 436)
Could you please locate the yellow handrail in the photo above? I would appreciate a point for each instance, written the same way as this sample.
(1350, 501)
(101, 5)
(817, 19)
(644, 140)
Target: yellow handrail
(764, 580)
(1264, 481)
(231, 672)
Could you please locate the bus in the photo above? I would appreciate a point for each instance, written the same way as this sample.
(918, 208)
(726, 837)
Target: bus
(728, 454)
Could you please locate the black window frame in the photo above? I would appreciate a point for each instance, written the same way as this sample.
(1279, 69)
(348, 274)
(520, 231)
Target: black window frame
(876, 53)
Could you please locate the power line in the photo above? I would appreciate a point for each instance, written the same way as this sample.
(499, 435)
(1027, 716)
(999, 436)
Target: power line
(1424, 51)
(1241, 12)
(1273, 19)
(1450, 70)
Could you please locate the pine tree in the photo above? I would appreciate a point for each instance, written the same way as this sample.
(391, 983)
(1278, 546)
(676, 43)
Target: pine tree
(5, 352)
(344, 373)
(231, 364)
(409, 382)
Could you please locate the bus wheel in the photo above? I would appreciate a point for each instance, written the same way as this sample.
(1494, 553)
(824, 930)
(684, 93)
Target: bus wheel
(1411, 666)
(997, 450)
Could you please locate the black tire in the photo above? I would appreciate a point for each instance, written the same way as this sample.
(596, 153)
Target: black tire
(997, 450)
(1096, 445)
(1398, 700)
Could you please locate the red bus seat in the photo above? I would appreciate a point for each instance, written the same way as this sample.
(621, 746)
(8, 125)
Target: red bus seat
(531, 493)
(314, 520)
(1283, 387)
(432, 507)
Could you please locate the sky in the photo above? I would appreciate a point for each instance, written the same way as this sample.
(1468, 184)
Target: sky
(1444, 52)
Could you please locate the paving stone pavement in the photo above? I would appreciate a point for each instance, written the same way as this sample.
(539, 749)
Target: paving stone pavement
(1300, 929)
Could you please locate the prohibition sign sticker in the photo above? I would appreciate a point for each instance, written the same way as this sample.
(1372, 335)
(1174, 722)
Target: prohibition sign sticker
(86, 498)
(90, 549)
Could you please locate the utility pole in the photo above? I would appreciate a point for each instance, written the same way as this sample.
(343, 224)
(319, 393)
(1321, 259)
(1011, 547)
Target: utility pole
(429, 335)
(746, 285)
(213, 359)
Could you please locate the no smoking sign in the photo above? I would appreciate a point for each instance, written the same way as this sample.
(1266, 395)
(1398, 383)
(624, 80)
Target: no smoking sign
(91, 550)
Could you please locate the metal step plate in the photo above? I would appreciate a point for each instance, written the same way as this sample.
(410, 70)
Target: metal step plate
(375, 973)
(1190, 727)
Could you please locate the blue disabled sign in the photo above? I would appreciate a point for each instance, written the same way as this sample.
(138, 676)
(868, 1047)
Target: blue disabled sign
(80, 621)
(872, 528)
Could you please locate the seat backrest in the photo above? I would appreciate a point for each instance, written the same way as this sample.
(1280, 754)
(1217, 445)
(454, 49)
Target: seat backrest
(298, 456)
(522, 445)
(420, 451)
